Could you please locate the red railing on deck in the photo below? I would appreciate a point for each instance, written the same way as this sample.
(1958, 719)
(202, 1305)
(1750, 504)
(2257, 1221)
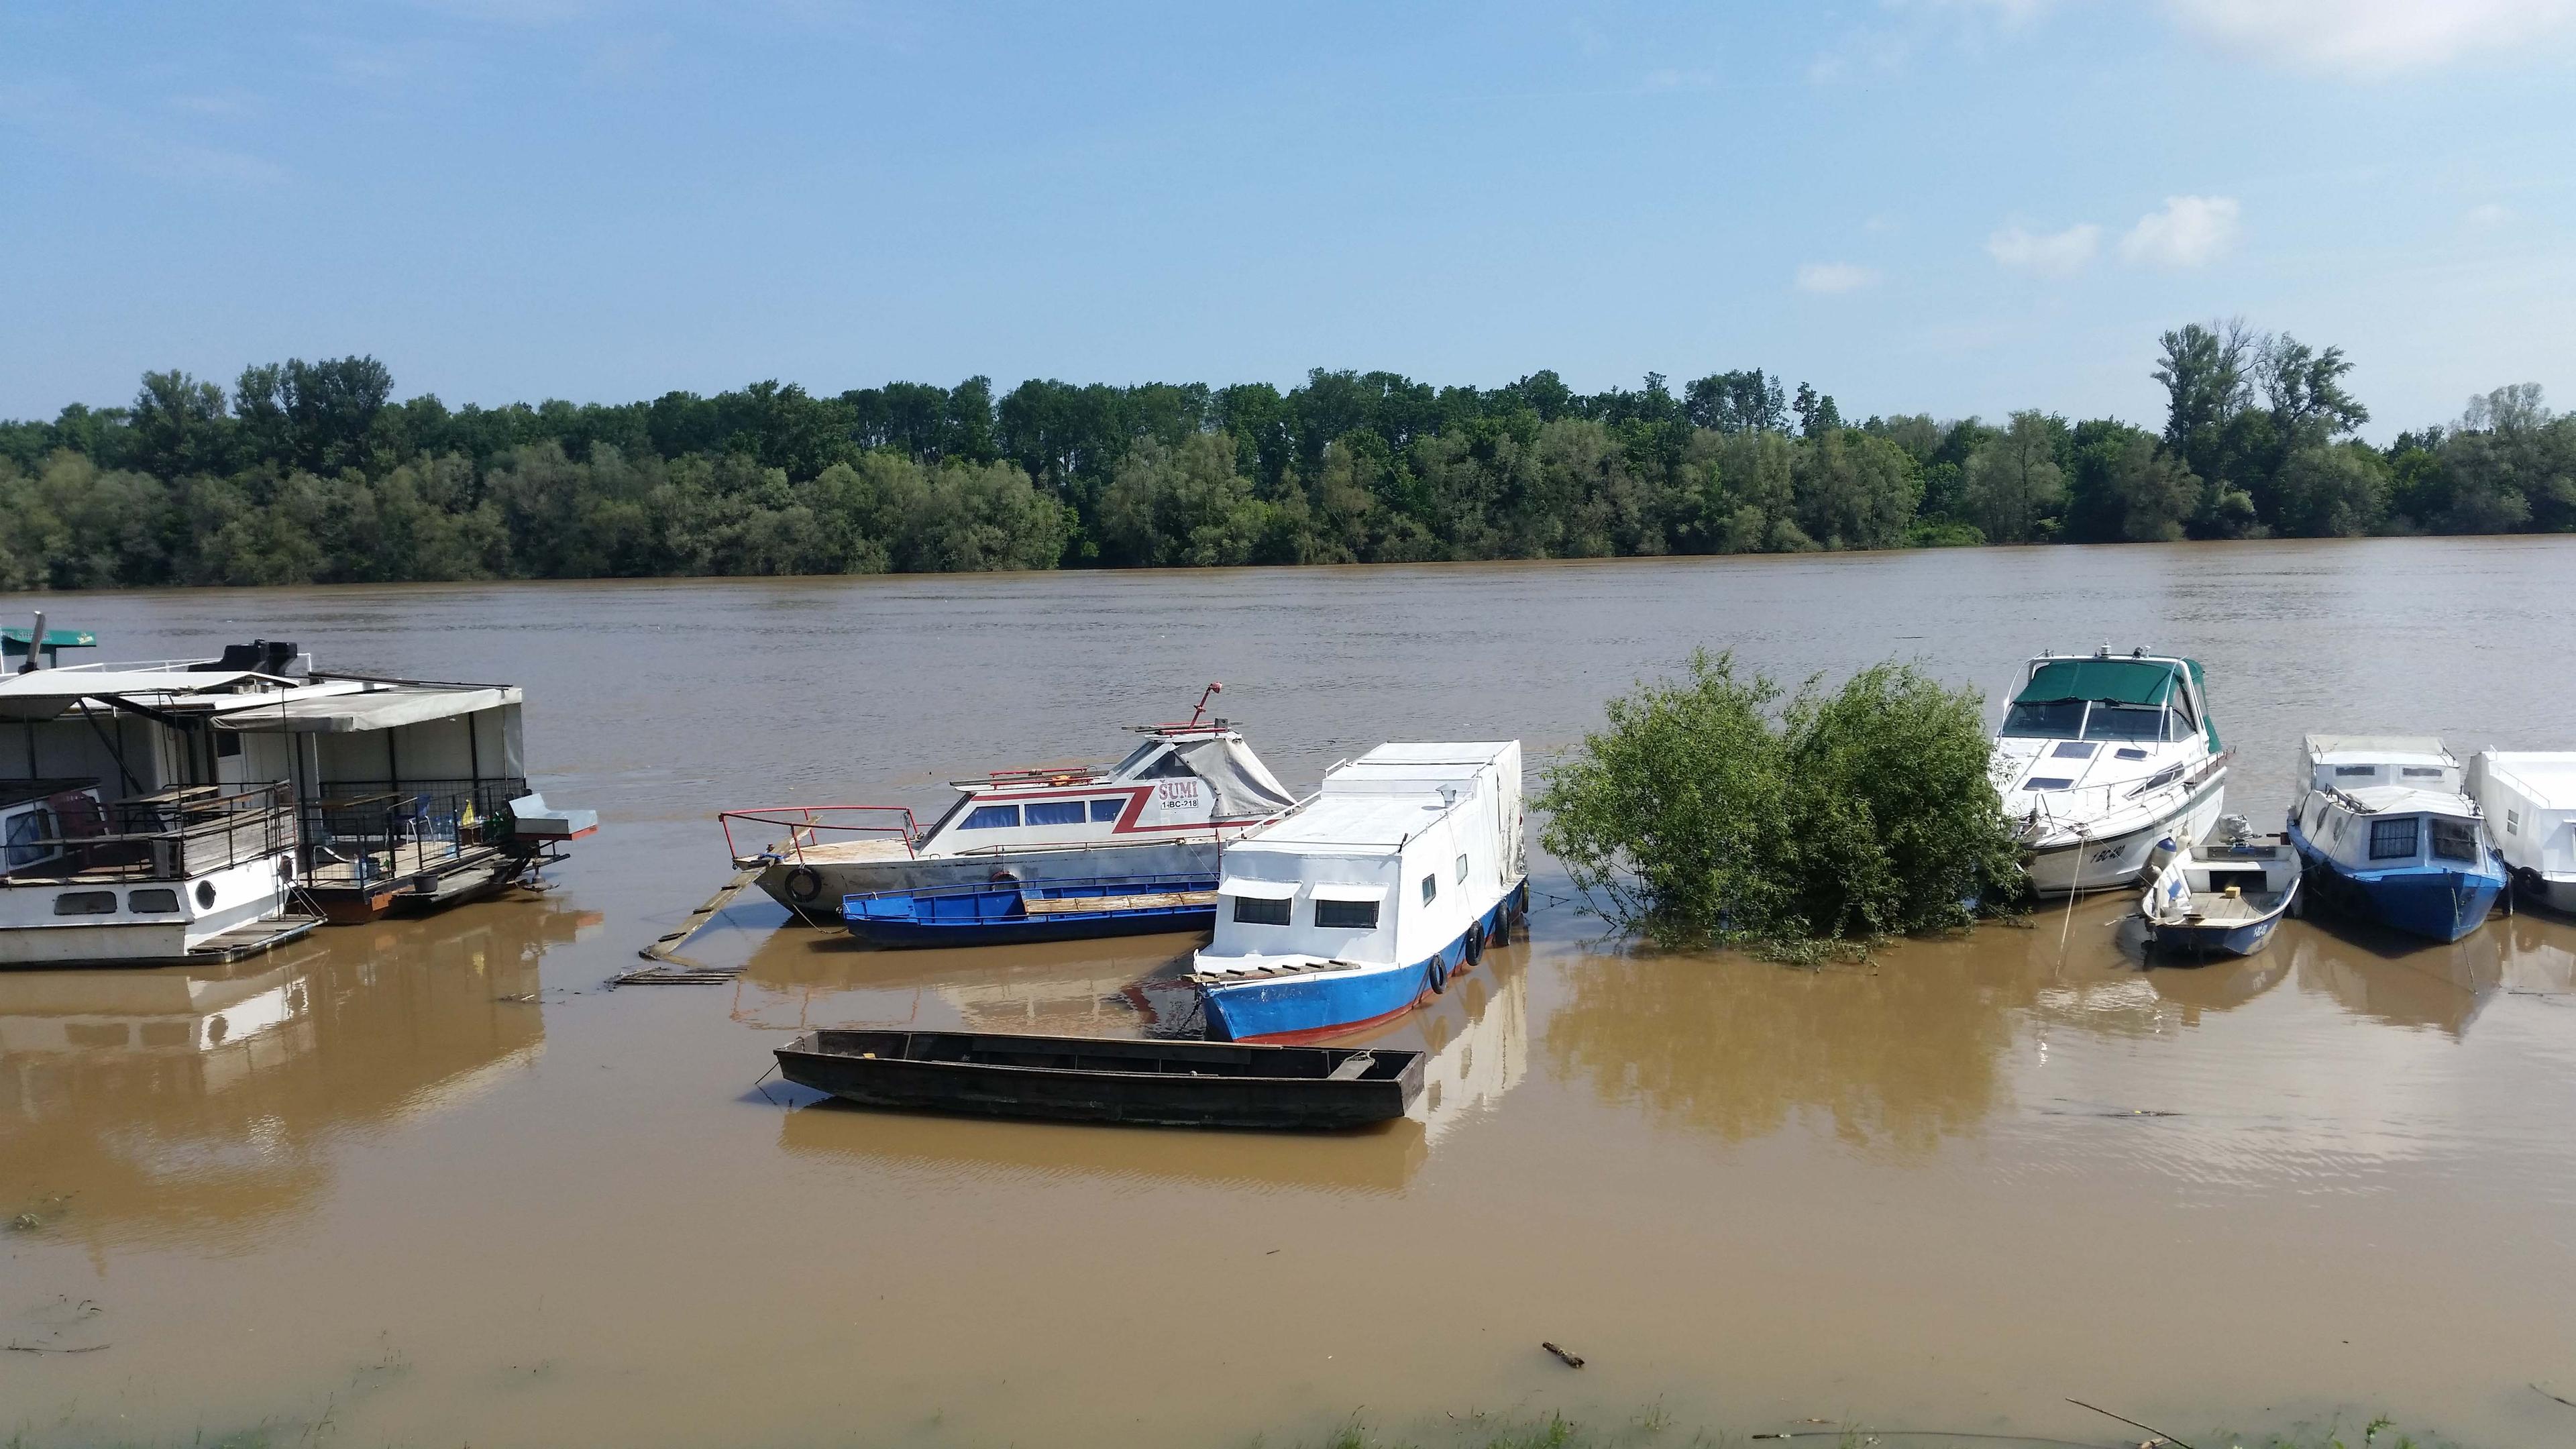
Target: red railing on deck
(806, 825)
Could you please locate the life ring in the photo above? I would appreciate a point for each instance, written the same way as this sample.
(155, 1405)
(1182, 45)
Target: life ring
(804, 883)
(1004, 876)
(1474, 947)
(1439, 974)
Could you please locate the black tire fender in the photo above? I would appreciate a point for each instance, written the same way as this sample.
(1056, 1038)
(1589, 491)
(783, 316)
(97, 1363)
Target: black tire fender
(804, 884)
(2527, 882)
(1438, 975)
(1473, 949)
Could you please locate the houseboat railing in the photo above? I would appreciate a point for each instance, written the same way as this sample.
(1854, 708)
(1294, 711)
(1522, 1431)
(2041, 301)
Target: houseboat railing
(378, 828)
(806, 825)
(168, 835)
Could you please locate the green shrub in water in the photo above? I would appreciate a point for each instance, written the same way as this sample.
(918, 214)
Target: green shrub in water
(1711, 812)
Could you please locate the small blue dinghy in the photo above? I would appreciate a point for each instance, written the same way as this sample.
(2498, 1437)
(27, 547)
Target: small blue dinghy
(1010, 912)
(2224, 898)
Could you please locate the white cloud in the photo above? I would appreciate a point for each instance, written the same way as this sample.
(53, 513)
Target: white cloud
(2191, 231)
(2046, 254)
(1831, 278)
(2372, 37)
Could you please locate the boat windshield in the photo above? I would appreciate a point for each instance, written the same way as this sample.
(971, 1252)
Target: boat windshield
(2056, 720)
(2125, 722)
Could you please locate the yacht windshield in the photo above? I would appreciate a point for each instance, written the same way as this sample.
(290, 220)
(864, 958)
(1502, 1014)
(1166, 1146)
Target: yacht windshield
(2061, 720)
(2125, 722)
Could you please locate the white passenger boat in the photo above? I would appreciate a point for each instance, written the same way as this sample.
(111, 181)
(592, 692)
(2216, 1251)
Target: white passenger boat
(2529, 797)
(2100, 758)
(1368, 898)
(1167, 809)
(204, 810)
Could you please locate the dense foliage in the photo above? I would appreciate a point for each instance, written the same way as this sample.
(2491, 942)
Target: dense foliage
(312, 471)
(1708, 811)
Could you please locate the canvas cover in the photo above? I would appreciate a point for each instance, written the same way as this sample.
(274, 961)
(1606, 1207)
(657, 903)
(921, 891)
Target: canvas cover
(1243, 785)
(2112, 681)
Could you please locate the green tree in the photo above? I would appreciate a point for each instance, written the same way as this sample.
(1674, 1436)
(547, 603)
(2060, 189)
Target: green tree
(2332, 491)
(2012, 485)
(1181, 506)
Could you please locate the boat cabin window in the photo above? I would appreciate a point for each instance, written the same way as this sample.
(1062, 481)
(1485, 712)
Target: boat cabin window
(991, 817)
(2455, 840)
(152, 902)
(2513, 822)
(1430, 889)
(1103, 811)
(2125, 753)
(2421, 772)
(2073, 750)
(1054, 812)
(2125, 722)
(1254, 911)
(1135, 757)
(1346, 915)
(2392, 839)
(2355, 772)
(30, 837)
(1462, 867)
(1169, 767)
(2047, 784)
(2061, 720)
(85, 903)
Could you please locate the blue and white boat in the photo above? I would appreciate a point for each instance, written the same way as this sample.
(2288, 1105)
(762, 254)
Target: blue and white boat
(1362, 903)
(1012, 913)
(2222, 899)
(2389, 837)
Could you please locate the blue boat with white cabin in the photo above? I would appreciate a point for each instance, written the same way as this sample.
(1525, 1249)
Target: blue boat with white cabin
(1362, 903)
(1014, 913)
(2389, 837)
(2225, 898)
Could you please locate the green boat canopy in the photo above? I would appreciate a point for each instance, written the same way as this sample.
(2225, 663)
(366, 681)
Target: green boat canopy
(15, 640)
(2112, 681)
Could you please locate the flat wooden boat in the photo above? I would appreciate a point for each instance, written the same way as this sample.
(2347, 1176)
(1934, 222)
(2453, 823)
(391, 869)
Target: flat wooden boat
(1107, 1079)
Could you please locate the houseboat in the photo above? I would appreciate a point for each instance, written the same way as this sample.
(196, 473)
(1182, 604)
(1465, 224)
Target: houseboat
(2529, 798)
(2389, 837)
(193, 810)
(1167, 809)
(2100, 758)
(1365, 900)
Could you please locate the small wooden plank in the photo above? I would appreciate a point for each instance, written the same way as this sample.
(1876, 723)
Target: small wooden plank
(1352, 1067)
(1158, 901)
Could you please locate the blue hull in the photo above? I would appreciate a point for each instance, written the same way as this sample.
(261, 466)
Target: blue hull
(996, 913)
(1316, 1003)
(2438, 902)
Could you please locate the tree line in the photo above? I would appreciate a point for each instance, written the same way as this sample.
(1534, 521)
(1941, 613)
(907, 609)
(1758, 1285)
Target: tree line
(313, 472)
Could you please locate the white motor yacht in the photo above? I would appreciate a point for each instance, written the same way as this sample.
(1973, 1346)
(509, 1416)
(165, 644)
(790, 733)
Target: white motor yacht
(2099, 758)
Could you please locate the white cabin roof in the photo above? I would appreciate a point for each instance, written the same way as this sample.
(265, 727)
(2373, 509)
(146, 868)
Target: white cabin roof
(375, 708)
(1347, 825)
(44, 693)
(2378, 750)
(2406, 800)
(2547, 776)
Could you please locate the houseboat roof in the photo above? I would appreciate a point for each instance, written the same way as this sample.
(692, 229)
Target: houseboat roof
(44, 693)
(1422, 768)
(1376, 824)
(2407, 800)
(2547, 776)
(2378, 750)
(246, 699)
(371, 707)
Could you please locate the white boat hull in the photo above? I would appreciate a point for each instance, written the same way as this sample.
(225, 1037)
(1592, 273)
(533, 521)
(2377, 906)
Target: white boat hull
(814, 884)
(2112, 861)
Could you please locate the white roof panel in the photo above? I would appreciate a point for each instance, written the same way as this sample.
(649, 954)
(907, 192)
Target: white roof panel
(1349, 825)
(2378, 749)
(2402, 800)
(2547, 776)
(374, 709)
(1259, 890)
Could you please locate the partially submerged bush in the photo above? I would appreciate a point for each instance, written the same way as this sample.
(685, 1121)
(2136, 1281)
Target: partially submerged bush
(1704, 814)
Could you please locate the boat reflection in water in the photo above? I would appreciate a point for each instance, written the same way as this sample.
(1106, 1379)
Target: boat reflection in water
(2443, 987)
(1478, 1038)
(195, 1103)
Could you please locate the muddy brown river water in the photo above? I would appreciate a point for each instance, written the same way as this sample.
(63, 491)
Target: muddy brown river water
(426, 1183)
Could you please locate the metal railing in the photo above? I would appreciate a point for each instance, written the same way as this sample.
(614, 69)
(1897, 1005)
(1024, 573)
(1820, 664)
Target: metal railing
(807, 824)
(377, 828)
(169, 835)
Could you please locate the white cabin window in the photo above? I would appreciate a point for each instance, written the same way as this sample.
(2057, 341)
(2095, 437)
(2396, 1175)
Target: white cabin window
(2355, 772)
(2392, 839)
(1346, 915)
(1254, 911)
(2073, 750)
(1462, 868)
(991, 817)
(85, 903)
(2455, 840)
(1104, 811)
(1430, 889)
(2124, 722)
(2513, 822)
(152, 902)
(1054, 812)
(2421, 772)
(2058, 720)
(2047, 784)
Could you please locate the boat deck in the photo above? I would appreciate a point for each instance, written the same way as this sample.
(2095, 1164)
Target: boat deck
(846, 852)
(249, 940)
(394, 870)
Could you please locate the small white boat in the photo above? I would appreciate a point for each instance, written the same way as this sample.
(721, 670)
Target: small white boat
(2389, 836)
(1167, 809)
(2530, 802)
(2222, 899)
(1365, 901)
(2099, 758)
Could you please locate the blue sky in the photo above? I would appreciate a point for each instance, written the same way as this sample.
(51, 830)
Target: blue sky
(1953, 206)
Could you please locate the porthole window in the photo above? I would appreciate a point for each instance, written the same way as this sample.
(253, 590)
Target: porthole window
(205, 895)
